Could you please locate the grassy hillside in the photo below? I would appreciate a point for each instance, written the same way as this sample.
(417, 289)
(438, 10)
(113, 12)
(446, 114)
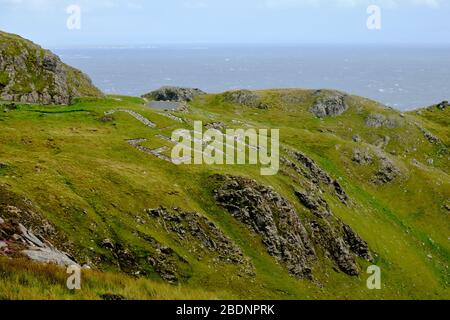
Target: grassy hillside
(74, 167)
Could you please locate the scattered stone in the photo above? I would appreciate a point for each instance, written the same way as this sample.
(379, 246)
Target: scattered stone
(329, 103)
(430, 162)
(246, 98)
(174, 94)
(357, 138)
(447, 206)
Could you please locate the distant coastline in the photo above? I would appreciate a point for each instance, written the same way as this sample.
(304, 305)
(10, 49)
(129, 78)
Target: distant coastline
(403, 78)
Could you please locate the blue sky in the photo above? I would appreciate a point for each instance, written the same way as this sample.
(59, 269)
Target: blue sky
(140, 22)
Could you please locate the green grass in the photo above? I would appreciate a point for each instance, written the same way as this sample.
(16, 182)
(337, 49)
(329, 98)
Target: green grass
(83, 177)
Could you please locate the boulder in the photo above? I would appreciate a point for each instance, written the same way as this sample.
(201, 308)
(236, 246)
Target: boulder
(443, 105)
(362, 156)
(387, 172)
(329, 103)
(174, 94)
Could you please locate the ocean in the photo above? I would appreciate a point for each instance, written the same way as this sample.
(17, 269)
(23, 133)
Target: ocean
(403, 78)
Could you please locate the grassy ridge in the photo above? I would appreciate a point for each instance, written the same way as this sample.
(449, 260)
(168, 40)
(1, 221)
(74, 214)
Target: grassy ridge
(83, 177)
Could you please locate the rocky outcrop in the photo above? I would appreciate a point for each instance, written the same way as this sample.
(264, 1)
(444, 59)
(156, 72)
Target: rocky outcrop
(17, 240)
(160, 258)
(201, 235)
(174, 94)
(285, 237)
(31, 74)
(246, 98)
(362, 156)
(23, 232)
(387, 171)
(338, 240)
(443, 105)
(376, 120)
(311, 171)
(271, 216)
(329, 103)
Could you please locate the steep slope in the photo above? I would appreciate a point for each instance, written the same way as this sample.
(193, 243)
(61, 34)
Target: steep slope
(359, 184)
(31, 74)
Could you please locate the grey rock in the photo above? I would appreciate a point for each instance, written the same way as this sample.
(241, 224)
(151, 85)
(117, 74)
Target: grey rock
(329, 103)
(38, 250)
(357, 138)
(200, 234)
(443, 105)
(330, 233)
(246, 98)
(362, 156)
(174, 94)
(387, 172)
(429, 136)
(376, 120)
(49, 255)
(271, 216)
(314, 173)
(108, 244)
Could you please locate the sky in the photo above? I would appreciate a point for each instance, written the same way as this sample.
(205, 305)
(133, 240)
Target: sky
(148, 22)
